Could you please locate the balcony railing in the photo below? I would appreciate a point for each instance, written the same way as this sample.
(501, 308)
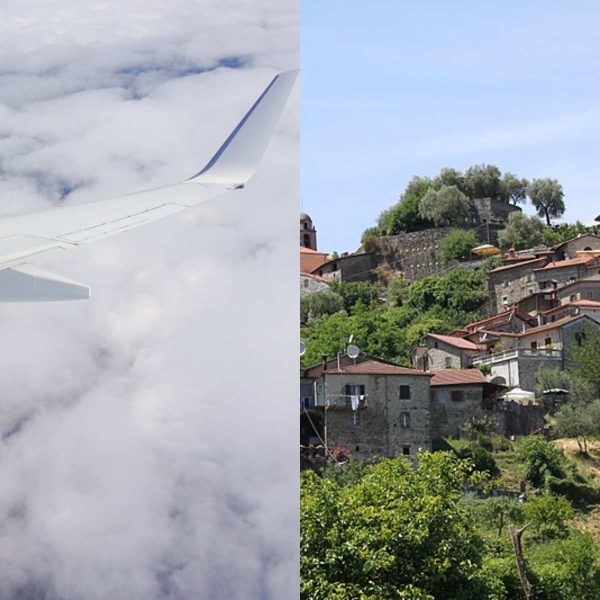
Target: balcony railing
(341, 401)
(516, 353)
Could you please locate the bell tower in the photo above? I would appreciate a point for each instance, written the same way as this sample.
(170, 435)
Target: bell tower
(308, 233)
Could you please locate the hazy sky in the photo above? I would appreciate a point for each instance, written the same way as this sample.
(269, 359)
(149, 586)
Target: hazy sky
(146, 435)
(397, 88)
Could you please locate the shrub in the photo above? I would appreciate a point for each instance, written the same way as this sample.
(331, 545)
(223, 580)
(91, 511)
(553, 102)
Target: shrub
(457, 245)
(480, 459)
(542, 459)
(548, 515)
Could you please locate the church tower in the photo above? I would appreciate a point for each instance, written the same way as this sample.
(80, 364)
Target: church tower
(308, 233)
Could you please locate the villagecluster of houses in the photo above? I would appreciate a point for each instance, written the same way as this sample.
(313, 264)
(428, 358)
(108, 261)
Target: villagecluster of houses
(540, 304)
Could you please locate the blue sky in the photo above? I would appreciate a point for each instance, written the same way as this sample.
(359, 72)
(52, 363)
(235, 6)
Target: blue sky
(396, 88)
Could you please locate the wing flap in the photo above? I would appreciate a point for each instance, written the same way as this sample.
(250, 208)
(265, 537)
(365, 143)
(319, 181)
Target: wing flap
(30, 284)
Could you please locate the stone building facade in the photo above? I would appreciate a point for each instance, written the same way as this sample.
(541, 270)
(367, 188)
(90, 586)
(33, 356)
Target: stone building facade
(445, 352)
(511, 283)
(583, 243)
(351, 267)
(311, 283)
(372, 408)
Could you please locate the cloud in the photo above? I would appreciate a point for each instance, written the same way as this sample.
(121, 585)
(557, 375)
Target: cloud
(148, 435)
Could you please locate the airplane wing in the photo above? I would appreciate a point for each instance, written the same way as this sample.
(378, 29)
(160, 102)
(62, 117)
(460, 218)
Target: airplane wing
(25, 236)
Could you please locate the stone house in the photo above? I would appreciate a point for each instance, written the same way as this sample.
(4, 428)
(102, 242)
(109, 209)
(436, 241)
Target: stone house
(591, 308)
(311, 283)
(518, 356)
(513, 282)
(573, 247)
(373, 408)
(559, 273)
(458, 396)
(582, 289)
(445, 352)
(351, 267)
(511, 319)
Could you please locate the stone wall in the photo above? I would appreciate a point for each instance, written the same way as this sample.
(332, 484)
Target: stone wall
(310, 284)
(508, 286)
(448, 416)
(379, 429)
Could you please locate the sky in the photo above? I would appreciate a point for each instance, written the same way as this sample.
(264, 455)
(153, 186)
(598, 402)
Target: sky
(145, 434)
(393, 89)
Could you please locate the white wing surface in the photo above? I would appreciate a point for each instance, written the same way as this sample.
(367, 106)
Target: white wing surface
(28, 235)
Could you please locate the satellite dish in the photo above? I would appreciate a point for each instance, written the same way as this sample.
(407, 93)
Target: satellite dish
(352, 351)
(302, 347)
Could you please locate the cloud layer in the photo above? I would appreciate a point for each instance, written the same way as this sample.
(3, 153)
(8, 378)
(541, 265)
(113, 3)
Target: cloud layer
(148, 435)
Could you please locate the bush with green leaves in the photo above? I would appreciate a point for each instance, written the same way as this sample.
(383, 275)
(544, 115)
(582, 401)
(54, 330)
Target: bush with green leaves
(318, 304)
(479, 459)
(353, 292)
(548, 516)
(399, 532)
(445, 207)
(521, 232)
(542, 459)
(457, 245)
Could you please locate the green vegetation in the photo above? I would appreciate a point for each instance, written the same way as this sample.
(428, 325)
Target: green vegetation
(391, 329)
(389, 531)
(521, 232)
(547, 198)
(446, 206)
(457, 245)
(319, 304)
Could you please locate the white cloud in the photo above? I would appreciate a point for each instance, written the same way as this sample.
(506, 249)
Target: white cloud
(149, 435)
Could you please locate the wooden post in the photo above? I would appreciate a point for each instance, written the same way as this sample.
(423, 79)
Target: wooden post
(515, 536)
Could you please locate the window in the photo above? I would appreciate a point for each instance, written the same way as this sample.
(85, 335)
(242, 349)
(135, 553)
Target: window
(457, 395)
(305, 282)
(448, 362)
(305, 225)
(435, 345)
(548, 342)
(534, 346)
(404, 419)
(404, 392)
(573, 297)
(504, 299)
(579, 337)
(587, 249)
(406, 450)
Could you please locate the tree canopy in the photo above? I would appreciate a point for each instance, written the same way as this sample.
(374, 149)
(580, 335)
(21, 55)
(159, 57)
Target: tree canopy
(521, 232)
(446, 206)
(547, 198)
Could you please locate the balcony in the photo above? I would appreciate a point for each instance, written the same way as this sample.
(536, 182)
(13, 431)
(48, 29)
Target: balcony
(340, 401)
(516, 353)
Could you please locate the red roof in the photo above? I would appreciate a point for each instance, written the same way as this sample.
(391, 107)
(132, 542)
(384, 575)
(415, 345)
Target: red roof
(579, 303)
(375, 367)
(304, 250)
(454, 341)
(518, 265)
(569, 262)
(457, 377)
(503, 317)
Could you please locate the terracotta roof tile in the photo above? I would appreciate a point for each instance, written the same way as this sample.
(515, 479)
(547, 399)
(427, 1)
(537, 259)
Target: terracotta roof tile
(518, 265)
(454, 341)
(457, 377)
(375, 367)
(569, 262)
(304, 250)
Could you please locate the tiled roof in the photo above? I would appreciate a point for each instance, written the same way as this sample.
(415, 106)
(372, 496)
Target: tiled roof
(503, 317)
(375, 367)
(550, 326)
(576, 303)
(454, 341)
(457, 377)
(312, 276)
(569, 262)
(304, 250)
(518, 265)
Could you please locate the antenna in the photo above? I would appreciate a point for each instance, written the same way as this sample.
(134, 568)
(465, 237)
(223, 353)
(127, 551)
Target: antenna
(302, 347)
(353, 351)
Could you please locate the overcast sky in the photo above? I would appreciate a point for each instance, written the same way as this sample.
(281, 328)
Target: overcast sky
(398, 88)
(146, 434)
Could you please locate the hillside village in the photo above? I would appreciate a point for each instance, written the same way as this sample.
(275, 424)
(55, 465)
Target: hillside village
(538, 303)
